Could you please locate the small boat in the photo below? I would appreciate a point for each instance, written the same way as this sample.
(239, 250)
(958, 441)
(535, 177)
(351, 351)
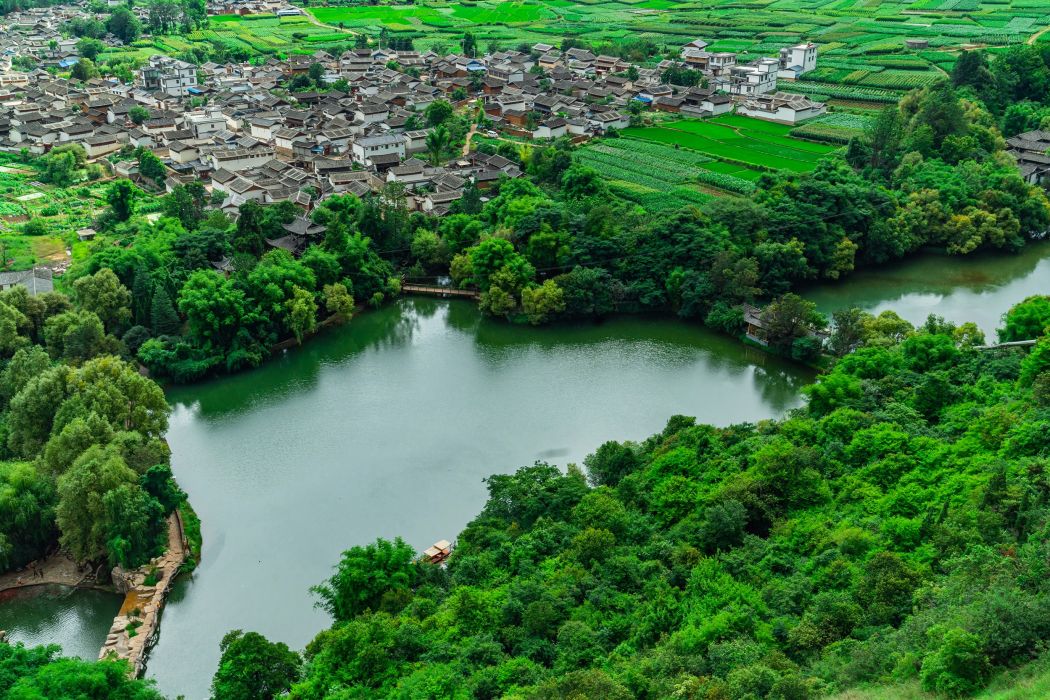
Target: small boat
(438, 552)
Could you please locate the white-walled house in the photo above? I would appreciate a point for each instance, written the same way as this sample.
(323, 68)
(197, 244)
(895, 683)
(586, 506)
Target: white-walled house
(368, 146)
(755, 78)
(205, 123)
(797, 60)
(239, 159)
(168, 75)
(782, 107)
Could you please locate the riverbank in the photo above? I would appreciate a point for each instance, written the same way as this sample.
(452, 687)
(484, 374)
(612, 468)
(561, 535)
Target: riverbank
(58, 569)
(134, 630)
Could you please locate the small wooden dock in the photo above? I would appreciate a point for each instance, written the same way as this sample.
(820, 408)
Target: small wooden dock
(435, 290)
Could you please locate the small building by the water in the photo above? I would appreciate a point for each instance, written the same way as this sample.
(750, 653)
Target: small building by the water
(755, 327)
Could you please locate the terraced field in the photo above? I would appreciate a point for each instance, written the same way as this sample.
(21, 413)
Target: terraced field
(863, 56)
(740, 140)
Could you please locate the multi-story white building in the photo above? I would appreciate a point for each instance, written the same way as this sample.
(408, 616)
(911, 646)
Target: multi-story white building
(168, 75)
(368, 147)
(796, 60)
(205, 123)
(755, 78)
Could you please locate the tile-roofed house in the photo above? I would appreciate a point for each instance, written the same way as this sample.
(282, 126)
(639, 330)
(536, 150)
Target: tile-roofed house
(38, 280)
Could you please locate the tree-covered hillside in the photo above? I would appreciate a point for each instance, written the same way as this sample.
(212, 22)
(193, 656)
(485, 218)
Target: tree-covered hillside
(894, 529)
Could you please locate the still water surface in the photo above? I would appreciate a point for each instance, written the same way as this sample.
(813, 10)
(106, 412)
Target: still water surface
(976, 288)
(79, 620)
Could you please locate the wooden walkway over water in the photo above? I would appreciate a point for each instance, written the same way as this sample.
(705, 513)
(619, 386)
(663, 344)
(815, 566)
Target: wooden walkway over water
(435, 290)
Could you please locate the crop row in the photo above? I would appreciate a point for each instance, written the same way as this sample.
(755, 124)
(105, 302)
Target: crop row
(722, 181)
(631, 148)
(611, 167)
(845, 92)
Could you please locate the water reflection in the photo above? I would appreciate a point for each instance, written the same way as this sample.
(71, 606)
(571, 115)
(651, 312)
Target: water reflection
(978, 288)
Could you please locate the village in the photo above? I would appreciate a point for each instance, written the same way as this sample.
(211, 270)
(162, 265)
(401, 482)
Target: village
(240, 130)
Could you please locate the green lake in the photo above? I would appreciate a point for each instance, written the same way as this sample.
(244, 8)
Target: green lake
(387, 427)
(79, 620)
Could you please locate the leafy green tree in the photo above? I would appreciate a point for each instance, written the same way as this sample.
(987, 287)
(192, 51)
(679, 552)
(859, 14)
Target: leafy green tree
(163, 318)
(121, 197)
(957, 667)
(135, 522)
(84, 70)
(138, 114)
(338, 301)
(65, 446)
(186, 203)
(151, 167)
(62, 165)
(542, 302)
(82, 513)
(117, 392)
(316, 73)
(36, 673)
(77, 336)
(25, 364)
(14, 327)
(302, 313)
(1026, 320)
(438, 112)
(437, 142)
(32, 411)
(253, 668)
(104, 295)
(124, 25)
(788, 319)
(214, 308)
(27, 515)
(372, 577)
(90, 48)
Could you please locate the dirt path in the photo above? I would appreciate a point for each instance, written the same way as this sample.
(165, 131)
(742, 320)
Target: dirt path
(470, 135)
(1035, 37)
(57, 569)
(318, 23)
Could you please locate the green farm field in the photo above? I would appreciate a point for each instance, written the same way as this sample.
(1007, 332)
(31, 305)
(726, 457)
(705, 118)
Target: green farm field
(655, 176)
(742, 140)
(62, 210)
(863, 56)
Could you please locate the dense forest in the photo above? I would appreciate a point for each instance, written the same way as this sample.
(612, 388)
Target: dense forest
(556, 245)
(894, 529)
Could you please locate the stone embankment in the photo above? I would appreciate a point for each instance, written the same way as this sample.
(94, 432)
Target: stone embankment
(134, 630)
